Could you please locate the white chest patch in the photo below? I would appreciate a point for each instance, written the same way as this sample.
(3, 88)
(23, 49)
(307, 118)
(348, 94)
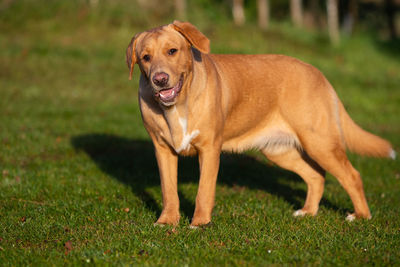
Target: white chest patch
(186, 137)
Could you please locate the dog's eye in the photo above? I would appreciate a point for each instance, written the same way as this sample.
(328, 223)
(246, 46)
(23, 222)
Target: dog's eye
(172, 51)
(146, 58)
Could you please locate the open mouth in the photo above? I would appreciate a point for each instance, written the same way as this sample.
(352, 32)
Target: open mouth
(169, 94)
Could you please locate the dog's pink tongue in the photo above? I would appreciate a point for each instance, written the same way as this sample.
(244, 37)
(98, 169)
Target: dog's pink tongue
(167, 93)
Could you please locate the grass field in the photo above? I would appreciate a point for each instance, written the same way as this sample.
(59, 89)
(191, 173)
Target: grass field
(79, 182)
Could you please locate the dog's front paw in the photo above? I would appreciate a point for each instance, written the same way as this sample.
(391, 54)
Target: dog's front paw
(353, 216)
(200, 217)
(200, 221)
(202, 226)
(171, 218)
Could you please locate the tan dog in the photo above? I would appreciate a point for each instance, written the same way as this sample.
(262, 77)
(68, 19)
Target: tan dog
(193, 102)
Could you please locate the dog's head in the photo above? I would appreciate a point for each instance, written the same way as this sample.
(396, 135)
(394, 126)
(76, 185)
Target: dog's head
(164, 56)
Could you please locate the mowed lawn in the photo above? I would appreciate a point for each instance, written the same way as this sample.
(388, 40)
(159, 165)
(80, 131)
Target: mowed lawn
(78, 178)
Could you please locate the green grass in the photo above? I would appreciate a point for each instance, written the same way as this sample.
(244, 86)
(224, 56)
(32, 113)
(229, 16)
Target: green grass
(74, 154)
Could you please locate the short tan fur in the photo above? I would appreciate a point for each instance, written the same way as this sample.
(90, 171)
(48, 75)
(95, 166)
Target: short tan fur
(193, 102)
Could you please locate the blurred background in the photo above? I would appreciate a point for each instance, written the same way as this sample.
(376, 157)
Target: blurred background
(328, 17)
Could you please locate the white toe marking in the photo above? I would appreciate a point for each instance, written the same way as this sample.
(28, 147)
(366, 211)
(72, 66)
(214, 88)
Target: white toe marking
(299, 213)
(193, 227)
(350, 217)
(392, 154)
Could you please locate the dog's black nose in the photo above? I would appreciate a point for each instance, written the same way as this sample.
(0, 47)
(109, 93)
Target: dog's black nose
(160, 79)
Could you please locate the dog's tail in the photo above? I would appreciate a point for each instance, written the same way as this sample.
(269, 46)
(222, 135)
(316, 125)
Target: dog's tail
(362, 142)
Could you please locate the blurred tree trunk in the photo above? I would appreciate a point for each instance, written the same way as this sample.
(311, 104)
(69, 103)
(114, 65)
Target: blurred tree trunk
(238, 12)
(142, 3)
(315, 13)
(5, 4)
(351, 17)
(390, 14)
(333, 21)
(93, 3)
(263, 13)
(180, 9)
(296, 12)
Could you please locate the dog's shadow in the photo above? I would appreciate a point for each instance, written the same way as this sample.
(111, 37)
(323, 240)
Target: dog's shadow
(133, 162)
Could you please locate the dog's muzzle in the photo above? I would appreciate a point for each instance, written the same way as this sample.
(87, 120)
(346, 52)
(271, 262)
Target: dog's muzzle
(168, 95)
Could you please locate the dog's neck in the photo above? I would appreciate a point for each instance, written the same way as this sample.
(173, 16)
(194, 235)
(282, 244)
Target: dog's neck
(180, 118)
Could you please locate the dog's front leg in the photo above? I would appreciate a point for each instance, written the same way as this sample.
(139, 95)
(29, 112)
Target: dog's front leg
(167, 162)
(209, 163)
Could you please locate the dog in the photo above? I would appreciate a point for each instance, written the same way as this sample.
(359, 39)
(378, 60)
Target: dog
(193, 102)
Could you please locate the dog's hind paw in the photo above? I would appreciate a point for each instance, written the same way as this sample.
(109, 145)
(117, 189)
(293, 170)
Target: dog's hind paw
(392, 154)
(351, 217)
(299, 213)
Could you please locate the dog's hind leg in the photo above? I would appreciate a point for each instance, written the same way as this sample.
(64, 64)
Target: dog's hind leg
(331, 156)
(314, 176)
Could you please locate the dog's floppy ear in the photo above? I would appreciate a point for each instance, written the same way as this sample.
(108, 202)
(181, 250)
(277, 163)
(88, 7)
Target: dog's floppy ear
(193, 35)
(131, 55)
